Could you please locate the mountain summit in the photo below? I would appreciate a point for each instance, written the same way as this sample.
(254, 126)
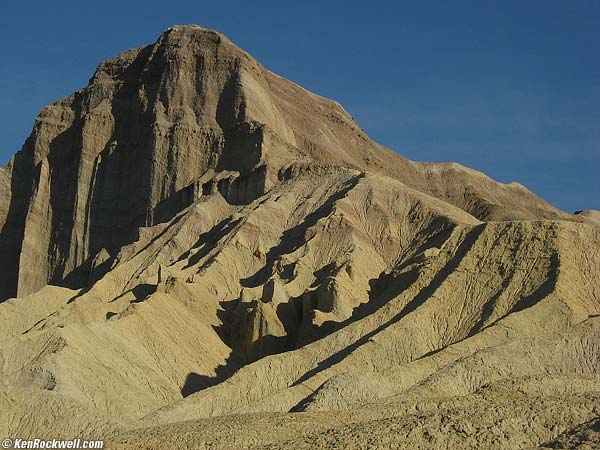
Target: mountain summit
(120, 154)
(206, 238)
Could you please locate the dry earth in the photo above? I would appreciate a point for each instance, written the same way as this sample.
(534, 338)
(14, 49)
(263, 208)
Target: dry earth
(197, 253)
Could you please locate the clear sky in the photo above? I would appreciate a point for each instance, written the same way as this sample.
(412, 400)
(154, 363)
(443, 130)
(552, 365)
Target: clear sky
(511, 88)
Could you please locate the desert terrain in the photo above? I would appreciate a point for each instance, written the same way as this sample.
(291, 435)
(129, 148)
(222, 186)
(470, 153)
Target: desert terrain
(197, 253)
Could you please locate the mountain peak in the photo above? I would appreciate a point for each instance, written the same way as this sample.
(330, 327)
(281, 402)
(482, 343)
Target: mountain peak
(152, 126)
(205, 237)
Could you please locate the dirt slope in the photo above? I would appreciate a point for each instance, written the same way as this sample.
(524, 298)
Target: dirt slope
(234, 264)
(152, 126)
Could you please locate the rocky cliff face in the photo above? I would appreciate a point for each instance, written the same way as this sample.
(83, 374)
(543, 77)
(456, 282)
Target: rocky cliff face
(118, 154)
(208, 239)
(130, 149)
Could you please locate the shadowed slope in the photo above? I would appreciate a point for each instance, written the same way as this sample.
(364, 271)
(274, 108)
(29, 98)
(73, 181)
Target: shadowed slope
(136, 145)
(236, 246)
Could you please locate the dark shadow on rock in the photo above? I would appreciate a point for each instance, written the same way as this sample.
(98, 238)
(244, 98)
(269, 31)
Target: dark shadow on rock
(226, 316)
(386, 287)
(80, 294)
(195, 382)
(265, 346)
(389, 284)
(142, 292)
(290, 315)
(86, 274)
(585, 435)
(323, 273)
(231, 332)
(411, 306)
(233, 328)
(293, 239)
(543, 290)
(488, 308)
(209, 240)
(12, 232)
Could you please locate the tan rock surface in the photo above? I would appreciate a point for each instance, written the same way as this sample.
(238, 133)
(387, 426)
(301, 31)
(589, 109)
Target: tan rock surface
(590, 214)
(241, 267)
(126, 151)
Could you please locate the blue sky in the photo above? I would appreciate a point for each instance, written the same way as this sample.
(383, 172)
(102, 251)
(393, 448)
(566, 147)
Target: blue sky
(511, 88)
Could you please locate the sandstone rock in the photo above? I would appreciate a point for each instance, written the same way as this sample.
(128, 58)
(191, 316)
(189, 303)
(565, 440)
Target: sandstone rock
(124, 151)
(200, 249)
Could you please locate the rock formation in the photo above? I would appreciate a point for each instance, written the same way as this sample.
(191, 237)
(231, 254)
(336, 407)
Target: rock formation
(191, 236)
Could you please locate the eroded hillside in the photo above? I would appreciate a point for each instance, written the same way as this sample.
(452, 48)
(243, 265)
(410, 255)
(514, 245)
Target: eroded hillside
(234, 264)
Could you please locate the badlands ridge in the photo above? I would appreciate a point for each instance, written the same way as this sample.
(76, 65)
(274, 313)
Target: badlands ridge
(198, 253)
